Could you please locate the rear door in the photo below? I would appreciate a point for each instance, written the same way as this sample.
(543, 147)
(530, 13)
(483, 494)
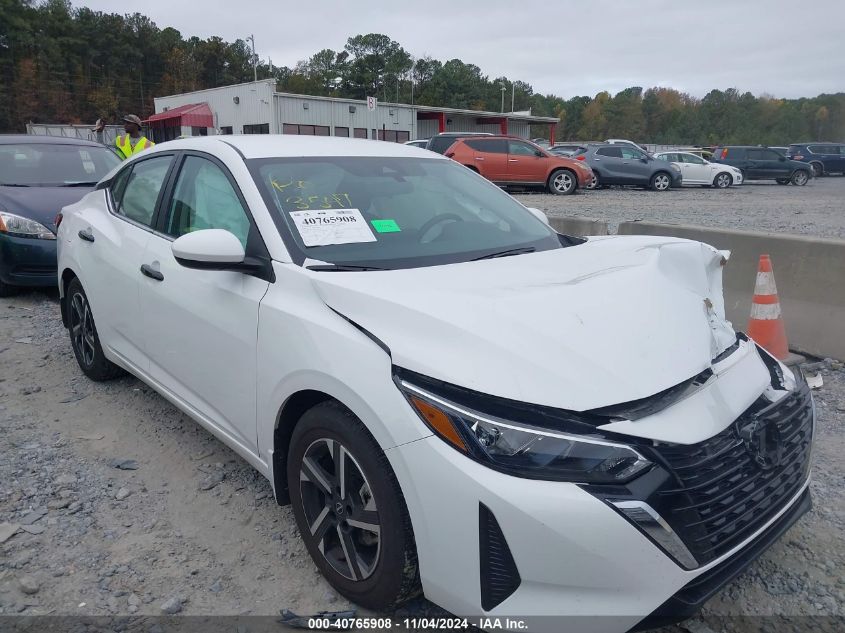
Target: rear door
(608, 161)
(111, 249)
(200, 326)
(490, 157)
(524, 164)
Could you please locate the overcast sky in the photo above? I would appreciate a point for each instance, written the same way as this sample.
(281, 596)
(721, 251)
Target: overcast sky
(566, 47)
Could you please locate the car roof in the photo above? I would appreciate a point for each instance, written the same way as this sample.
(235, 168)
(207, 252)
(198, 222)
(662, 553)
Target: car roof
(464, 134)
(818, 143)
(35, 139)
(291, 146)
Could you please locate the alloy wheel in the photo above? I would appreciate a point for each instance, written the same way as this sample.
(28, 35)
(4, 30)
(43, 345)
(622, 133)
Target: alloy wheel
(661, 182)
(340, 509)
(563, 182)
(82, 328)
(723, 181)
(594, 181)
(800, 178)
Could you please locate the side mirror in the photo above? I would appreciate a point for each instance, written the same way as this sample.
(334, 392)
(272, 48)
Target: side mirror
(782, 159)
(539, 215)
(212, 249)
(538, 152)
(645, 159)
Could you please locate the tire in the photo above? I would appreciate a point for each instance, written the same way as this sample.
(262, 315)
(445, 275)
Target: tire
(818, 169)
(595, 183)
(84, 340)
(661, 181)
(7, 291)
(723, 180)
(385, 572)
(800, 178)
(562, 182)
(782, 181)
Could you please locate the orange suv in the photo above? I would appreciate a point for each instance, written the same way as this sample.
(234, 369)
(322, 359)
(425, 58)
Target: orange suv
(507, 160)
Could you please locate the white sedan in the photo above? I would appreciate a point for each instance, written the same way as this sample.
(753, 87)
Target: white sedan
(698, 171)
(445, 389)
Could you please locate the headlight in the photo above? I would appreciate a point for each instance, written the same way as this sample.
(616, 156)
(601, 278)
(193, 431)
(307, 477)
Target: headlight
(18, 226)
(521, 449)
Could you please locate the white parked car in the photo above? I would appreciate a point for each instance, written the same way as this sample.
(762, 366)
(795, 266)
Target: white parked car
(454, 398)
(698, 171)
(418, 143)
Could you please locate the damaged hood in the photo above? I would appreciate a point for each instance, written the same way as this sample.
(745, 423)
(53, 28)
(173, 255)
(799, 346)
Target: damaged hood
(608, 321)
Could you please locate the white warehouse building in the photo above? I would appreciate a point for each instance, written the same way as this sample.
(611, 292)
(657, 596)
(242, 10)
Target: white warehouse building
(256, 108)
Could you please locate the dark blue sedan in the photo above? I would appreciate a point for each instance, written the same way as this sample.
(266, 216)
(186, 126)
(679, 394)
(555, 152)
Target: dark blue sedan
(38, 176)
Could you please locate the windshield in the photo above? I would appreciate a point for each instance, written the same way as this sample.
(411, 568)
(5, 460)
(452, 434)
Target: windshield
(393, 212)
(48, 165)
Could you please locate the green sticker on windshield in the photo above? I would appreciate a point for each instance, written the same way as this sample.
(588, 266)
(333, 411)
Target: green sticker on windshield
(385, 226)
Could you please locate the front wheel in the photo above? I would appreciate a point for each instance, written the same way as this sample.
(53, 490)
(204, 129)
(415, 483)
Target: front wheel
(595, 182)
(84, 338)
(723, 180)
(661, 181)
(350, 510)
(562, 182)
(800, 178)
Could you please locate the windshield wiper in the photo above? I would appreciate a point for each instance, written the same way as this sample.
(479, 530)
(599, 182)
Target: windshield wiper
(507, 253)
(343, 267)
(78, 184)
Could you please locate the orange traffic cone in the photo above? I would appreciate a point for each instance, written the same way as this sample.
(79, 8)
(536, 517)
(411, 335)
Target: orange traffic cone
(766, 324)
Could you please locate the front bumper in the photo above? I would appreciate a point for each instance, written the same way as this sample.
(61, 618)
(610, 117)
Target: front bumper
(27, 262)
(562, 556)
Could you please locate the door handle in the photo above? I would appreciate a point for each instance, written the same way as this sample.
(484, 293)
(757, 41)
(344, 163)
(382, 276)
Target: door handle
(513, 160)
(86, 234)
(151, 272)
(479, 158)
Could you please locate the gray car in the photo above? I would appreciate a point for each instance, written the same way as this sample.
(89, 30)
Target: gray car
(615, 164)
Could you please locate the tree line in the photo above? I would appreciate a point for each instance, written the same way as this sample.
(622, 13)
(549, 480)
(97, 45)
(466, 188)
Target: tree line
(65, 64)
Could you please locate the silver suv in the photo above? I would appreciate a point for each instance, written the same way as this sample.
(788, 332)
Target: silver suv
(616, 164)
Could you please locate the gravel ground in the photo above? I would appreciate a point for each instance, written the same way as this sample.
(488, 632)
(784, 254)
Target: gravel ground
(189, 527)
(815, 209)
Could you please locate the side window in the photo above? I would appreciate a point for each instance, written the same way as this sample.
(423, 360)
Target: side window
(631, 153)
(205, 199)
(521, 149)
(771, 155)
(142, 188)
(755, 154)
(692, 159)
(118, 186)
(489, 146)
(612, 152)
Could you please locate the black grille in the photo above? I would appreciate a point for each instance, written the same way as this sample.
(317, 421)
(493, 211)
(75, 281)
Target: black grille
(721, 494)
(499, 575)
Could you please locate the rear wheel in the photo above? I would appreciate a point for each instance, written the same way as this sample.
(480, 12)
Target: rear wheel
(350, 510)
(661, 181)
(800, 178)
(818, 169)
(562, 182)
(723, 180)
(6, 290)
(84, 339)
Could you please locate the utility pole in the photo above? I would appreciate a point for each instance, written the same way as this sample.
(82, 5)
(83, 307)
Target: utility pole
(513, 94)
(503, 97)
(251, 38)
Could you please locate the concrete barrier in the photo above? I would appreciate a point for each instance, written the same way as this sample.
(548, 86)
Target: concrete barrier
(577, 226)
(809, 272)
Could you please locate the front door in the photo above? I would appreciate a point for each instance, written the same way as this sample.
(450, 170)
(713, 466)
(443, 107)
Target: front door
(767, 164)
(524, 164)
(635, 168)
(200, 326)
(695, 170)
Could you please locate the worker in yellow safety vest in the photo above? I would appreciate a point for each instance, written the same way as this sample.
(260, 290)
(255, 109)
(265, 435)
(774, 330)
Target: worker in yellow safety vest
(133, 141)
